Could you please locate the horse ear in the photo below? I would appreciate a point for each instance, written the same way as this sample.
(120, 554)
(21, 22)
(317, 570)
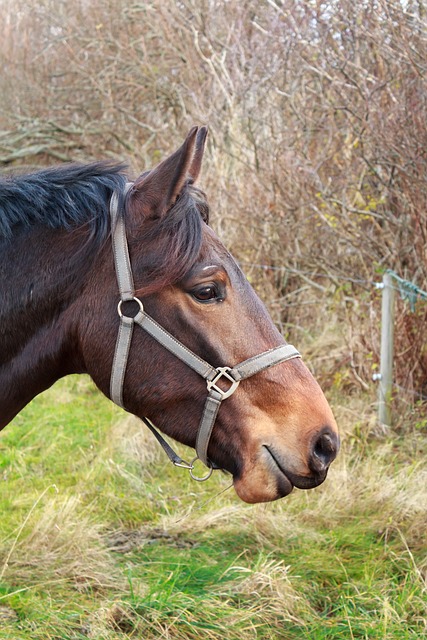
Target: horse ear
(198, 153)
(155, 192)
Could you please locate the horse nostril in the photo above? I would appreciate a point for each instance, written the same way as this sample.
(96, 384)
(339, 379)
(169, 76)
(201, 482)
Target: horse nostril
(324, 449)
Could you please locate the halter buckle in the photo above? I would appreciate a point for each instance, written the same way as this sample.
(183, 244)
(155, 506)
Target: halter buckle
(223, 372)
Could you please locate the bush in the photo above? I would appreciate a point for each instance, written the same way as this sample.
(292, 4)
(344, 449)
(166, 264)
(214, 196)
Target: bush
(318, 140)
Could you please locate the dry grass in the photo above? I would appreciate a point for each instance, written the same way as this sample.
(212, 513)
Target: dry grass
(134, 549)
(59, 541)
(131, 438)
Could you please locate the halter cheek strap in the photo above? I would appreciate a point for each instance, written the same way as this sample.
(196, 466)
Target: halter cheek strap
(230, 377)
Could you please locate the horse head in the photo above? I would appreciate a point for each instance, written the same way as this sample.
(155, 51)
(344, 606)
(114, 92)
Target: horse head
(276, 431)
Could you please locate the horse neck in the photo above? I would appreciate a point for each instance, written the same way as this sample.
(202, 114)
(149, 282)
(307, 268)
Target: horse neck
(41, 275)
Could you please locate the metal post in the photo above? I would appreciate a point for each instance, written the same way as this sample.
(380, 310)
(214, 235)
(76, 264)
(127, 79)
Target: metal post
(387, 340)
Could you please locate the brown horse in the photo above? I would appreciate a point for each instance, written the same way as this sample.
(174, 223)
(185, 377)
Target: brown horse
(58, 315)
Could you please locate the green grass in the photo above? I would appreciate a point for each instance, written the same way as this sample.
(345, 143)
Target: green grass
(100, 537)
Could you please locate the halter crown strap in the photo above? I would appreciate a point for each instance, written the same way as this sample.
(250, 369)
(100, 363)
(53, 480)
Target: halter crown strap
(230, 377)
(120, 246)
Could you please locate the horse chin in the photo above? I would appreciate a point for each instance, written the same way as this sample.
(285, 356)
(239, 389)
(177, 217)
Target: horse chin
(269, 480)
(256, 486)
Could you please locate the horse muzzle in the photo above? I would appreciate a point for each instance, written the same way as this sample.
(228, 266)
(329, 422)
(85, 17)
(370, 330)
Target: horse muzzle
(274, 475)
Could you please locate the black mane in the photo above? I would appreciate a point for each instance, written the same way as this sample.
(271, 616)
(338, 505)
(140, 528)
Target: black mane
(69, 196)
(65, 197)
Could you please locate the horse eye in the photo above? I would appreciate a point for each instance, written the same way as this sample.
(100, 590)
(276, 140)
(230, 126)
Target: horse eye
(206, 293)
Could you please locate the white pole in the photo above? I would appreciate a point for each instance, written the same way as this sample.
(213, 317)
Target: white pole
(387, 339)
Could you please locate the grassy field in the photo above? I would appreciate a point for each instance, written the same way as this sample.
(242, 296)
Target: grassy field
(100, 537)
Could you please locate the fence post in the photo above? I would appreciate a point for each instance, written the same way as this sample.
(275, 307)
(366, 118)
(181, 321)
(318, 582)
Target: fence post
(387, 339)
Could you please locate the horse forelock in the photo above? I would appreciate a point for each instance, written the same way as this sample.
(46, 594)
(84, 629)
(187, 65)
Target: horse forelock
(172, 244)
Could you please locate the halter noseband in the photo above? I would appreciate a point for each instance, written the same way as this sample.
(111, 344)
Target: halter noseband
(231, 375)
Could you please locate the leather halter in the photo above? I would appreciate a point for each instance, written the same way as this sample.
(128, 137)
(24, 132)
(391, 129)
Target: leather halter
(232, 376)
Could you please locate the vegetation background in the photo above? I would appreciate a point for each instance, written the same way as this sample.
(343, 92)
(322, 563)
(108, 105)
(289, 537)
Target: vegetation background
(316, 174)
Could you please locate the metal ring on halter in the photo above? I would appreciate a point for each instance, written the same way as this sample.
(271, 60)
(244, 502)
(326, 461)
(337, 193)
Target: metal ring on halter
(203, 478)
(119, 306)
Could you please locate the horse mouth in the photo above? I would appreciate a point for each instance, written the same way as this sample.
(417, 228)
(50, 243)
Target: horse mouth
(287, 480)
